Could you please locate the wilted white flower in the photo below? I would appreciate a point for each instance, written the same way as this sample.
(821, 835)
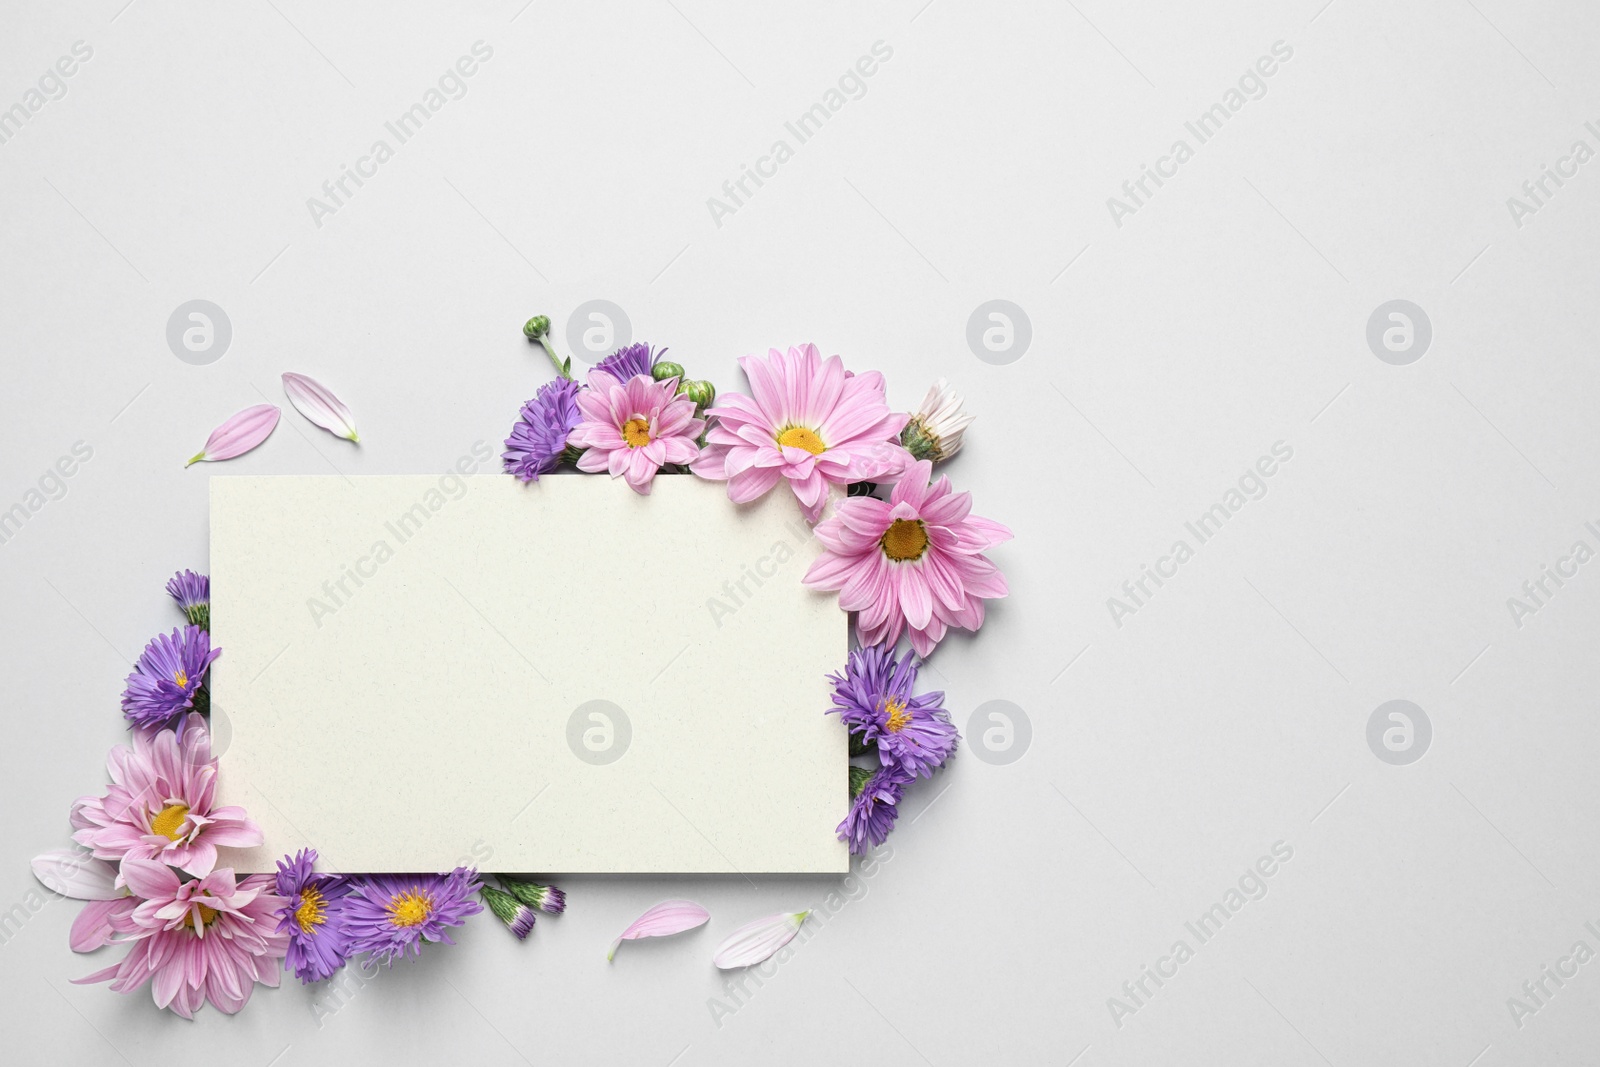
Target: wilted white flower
(936, 429)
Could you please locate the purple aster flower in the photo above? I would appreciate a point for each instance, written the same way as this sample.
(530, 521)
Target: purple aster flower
(873, 698)
(874, 810)
(193, 593)
(540, 434)
(311, 916)
(166, 680)
(386, 914)
(624, 363)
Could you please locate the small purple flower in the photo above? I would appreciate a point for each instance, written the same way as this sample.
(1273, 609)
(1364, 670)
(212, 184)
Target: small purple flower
(874, 810)
(539, 435)
(624, 363)
(312, 917)
(193, 593)
(167, 677)
(873, 698)
(387, 914)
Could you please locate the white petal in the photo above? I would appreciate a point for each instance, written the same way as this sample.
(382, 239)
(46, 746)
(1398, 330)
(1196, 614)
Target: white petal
(316, 402)
(72, 872)
(755, 941)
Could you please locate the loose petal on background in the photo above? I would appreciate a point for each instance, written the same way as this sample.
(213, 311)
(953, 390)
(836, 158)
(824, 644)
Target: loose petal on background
(74, 873)
(668, 917)
(316, 402)
(755, 941)
(239, 434)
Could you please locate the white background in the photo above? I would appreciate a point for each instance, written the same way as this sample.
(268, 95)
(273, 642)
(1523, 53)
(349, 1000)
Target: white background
(1227, 314)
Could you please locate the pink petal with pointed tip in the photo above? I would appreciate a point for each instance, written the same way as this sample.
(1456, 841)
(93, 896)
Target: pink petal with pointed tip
(666, 918)
(240, 434)
(316, 402)
(756, 941)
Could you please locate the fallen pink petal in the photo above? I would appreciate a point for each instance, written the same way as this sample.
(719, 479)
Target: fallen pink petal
(758, 940)
(240, 434)
(666, 918)
(316, 402)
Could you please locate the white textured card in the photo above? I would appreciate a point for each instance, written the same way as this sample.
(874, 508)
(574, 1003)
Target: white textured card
(423, 672)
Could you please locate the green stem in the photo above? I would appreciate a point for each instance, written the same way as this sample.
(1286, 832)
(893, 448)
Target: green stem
(563, 369)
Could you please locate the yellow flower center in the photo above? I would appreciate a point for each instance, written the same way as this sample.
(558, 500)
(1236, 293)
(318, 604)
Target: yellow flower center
(800, 437)
(636, 432)
(169, 821)
(899, 717)
(309, 913)
(905, 539)
(208, 915)
(410, 909)
(182, 678)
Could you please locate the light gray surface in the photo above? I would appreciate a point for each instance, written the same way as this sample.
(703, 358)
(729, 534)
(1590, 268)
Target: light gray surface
(1228, 313)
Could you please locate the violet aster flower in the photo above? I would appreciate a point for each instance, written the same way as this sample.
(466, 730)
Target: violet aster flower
(874, 810)
(540, 434)
(624, 363)
(387, 914)
(167, 678)
(193, 593)
(873, 698)
(311, 916)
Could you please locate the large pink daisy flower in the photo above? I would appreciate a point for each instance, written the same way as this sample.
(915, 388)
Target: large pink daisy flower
(914, 563)
(807, 420)
(210, 938)
(160, 804)
(633, 429)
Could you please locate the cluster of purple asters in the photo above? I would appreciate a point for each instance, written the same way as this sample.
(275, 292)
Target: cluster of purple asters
(332, 918)
(168, 681)
(912, 735)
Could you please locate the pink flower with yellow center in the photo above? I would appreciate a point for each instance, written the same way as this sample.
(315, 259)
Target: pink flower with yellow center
(807, 421)
(161, 804)
(635, 428)
(210, 938)
(913, 563)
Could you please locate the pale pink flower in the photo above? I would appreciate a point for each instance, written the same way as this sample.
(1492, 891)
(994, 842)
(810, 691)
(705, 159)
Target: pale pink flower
(160, 804)
(210, 938)
(807, 420)
(915, 563)
(633, 429)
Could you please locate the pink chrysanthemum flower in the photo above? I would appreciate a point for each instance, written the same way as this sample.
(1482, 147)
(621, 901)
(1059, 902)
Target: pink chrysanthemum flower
(807, 420)
(915, 563)
(160, 805)
(210, 938)
(632, 429)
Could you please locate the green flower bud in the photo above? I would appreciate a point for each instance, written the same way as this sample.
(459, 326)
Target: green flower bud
(858, 780)
(571, 453)
(665, 370)
(701, 392)
(536, 327)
